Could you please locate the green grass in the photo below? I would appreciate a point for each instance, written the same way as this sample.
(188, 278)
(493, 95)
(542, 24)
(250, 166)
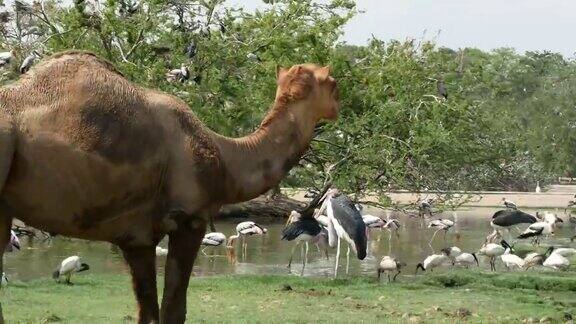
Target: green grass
(452, 296)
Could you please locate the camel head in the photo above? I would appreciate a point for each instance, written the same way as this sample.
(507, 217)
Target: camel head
(309, 90)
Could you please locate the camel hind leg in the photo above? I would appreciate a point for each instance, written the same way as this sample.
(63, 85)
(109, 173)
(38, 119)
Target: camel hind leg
(7, 147)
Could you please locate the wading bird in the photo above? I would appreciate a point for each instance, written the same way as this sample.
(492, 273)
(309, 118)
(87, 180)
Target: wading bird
(492, 251)
(68, 267)
(425, 207)
(244, 229)
(389, 264)
(533, 259)
(213, 239)
(301, 229)
(542, 228)
(433, 261)
(441, 224)
(511, 260)
(509, 204)
(460, 258)
(392, 225)
(13, 243)
(556, 261)
(345, 222)
(29, 61)
(506, 218)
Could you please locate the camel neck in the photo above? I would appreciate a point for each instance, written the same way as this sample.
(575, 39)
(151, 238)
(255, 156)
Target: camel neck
(256, 163)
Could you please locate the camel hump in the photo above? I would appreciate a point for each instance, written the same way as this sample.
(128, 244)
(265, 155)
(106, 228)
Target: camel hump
(78, 55)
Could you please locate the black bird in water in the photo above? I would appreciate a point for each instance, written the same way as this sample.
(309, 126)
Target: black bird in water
(301, 229)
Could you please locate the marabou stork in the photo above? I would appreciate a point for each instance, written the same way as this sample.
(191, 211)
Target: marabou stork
(345, 222)
(506, 218)
(301, 229)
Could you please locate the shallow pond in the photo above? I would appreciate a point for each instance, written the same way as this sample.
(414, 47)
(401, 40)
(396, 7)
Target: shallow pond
(268, 254)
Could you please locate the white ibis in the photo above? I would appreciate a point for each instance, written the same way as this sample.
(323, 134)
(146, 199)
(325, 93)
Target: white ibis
(13, 243)
(29, 61)
(460, 258)
(68, 267)
(565, 252)
(493, 250)
(533, 259)
(506, 218)
(4, 280)
(244, 229)
(182, 74)
(345, 222)
(160, 251)
(556, 261)
(433, 261)
(542, 228)
(441, 224)
(509, 204)
(301, 229)
(213, 239)
(512, 260)
(389, 264)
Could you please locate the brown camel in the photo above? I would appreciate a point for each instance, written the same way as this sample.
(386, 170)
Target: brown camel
(87, 154)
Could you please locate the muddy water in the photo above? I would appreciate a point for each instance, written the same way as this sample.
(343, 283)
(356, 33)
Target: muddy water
(268, 254)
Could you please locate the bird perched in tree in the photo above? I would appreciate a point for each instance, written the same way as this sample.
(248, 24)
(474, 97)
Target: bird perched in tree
(389, 264)
(191, 50)
(182, 74)
(509, 204)
(442, 92)
(68, 267)
(29, 61)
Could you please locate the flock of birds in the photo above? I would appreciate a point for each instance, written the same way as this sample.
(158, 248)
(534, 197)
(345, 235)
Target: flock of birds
(338, 219)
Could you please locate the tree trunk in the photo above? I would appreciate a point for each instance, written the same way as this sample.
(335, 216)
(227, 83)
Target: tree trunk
(278, 207)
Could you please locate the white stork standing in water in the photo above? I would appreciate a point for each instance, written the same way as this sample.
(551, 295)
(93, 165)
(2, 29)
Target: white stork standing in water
(244, 229)
(441, 224)
(70, 266)
(301, 229)
(13, 243)
(509, 204)
(213, 239)
(345, 222)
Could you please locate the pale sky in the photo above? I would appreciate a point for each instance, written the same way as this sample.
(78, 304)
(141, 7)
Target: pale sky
(485, 24)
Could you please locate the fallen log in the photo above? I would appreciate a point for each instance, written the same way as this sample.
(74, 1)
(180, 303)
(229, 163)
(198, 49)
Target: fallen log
(263, 206)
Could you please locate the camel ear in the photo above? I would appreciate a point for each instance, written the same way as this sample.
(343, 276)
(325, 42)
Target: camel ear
(280, 72)
(323, 73)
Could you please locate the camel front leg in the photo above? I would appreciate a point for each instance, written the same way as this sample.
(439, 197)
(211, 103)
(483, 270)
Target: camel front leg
(183, 247)
(142, 263)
